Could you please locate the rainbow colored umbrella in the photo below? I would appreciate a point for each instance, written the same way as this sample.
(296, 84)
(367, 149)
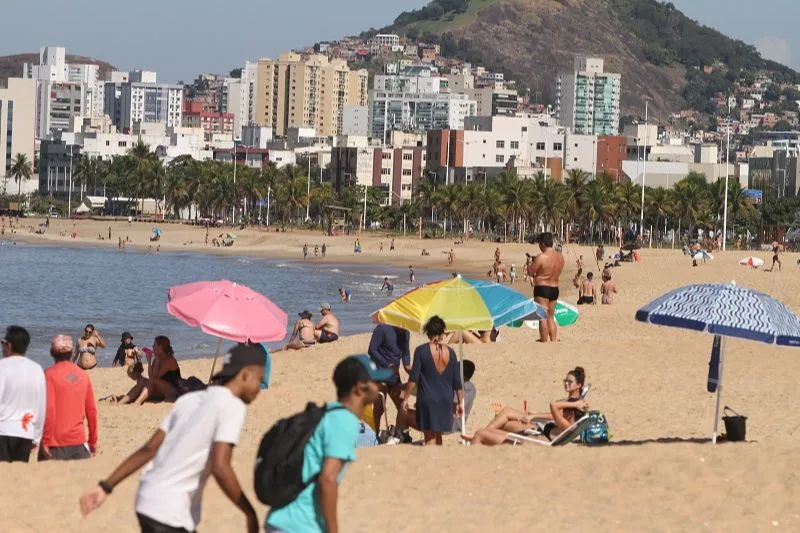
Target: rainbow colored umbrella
(464, 304)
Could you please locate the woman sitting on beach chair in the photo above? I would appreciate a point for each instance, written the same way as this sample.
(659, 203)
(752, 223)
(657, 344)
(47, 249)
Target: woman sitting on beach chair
(563, 413)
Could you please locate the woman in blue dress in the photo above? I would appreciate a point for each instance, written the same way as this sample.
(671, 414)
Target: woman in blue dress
(436, 374)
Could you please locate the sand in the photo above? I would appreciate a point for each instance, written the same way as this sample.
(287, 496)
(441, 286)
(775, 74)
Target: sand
(660, 474)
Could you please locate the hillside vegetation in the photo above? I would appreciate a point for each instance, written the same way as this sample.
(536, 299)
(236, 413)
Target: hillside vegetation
(660, 52)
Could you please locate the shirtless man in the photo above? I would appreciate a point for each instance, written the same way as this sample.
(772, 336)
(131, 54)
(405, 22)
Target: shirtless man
(588, 291)
(327, 329)
(500, 272)
(776, 249)
(545, 271)
(303, 334)
(608, 289)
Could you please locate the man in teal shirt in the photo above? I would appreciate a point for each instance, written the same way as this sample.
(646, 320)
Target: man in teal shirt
(329, 450)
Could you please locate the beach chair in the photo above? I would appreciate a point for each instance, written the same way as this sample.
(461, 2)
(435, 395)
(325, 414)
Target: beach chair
(565, 437)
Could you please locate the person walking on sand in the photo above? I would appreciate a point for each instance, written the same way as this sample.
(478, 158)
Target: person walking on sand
(305, 251)
(316, 251)
(776, 249)
(70, 401)
(22, 398)
(324, 250)
(109, 233)
(391, 245)
(195, 441)
(331, 447)
(327, 329)
(545, 271)
(588, 291)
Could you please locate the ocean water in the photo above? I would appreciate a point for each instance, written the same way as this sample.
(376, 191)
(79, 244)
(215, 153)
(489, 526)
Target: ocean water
(49, 290)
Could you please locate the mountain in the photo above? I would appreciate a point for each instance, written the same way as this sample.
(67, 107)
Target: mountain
(11, 66)
(663, 56)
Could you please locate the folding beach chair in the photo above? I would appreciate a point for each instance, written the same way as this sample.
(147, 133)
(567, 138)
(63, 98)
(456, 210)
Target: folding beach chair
(540, 425)
(565, 437)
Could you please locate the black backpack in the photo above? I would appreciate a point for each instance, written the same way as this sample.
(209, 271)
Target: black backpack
(279, 464)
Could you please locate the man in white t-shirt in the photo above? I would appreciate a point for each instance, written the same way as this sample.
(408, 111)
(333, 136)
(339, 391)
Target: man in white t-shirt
(22, 398)
(194, 441)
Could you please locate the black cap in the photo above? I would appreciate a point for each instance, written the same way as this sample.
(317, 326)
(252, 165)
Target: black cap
(127, 335)
(239, 357)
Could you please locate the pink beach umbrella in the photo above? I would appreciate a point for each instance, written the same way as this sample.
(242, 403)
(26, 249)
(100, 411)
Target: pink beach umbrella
(227, 310)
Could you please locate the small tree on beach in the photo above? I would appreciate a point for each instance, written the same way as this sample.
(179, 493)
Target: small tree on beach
(21, 169)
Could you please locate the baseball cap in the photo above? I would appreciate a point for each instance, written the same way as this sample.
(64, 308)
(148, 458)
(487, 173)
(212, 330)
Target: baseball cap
(61, 344)
(325, 307)
(239, 357)
(305, 313)
(358, 368)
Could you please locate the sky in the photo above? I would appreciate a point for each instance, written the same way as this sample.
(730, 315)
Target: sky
(183, 38)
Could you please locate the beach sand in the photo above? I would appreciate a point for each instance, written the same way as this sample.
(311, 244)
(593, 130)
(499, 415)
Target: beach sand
(660, 474)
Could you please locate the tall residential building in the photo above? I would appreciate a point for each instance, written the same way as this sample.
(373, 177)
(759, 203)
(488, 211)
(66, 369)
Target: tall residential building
(306, 91)
(414, 101)
(588, 98)
(17, 130)
(53, 68)
(240, 98)
(57, 103)
(134, 102)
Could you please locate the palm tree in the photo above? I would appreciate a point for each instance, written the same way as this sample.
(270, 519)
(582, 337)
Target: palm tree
(140, 170)
(425, 196)
(627, 198)
(691, 201)
(575, 193)
(180, 173)
(599, 204)
(657, 204)
(21, 169)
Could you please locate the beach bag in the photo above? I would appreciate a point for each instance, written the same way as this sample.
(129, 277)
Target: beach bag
(278, 475)
(735, 426)
(366, 436)
(190, 384)
(597, 431)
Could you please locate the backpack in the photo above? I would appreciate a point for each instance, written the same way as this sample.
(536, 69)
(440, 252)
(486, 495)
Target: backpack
(597, 431)
(278, 475)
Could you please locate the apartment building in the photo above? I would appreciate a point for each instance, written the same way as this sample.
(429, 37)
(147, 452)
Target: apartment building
(212, 123)
(306, 91)
(588, 98)
(415, 100)
(17, 130)
(136, 102)
(57, 104)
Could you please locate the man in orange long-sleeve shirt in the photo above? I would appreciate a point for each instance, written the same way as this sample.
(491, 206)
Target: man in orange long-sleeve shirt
(70, 400)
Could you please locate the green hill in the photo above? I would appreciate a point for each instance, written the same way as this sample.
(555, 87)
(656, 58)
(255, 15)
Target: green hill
(663, 55)
(11, 66)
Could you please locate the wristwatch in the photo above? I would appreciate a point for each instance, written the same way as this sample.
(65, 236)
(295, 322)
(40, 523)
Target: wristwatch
(107, 488)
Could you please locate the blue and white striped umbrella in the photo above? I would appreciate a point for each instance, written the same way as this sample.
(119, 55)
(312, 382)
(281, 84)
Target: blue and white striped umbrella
(725, 309)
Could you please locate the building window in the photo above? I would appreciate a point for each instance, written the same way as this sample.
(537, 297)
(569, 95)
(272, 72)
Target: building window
(408, 157)
(515, 145)
(499, 158)
(500, 144)
(406, 172)
(386, 155)
(540, 146)
(386, 172)
(557, 147)
(524, 129)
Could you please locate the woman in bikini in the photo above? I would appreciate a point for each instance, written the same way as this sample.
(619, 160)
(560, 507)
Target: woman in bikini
(563, 413)
(164, 374)
(303, 333)
(86, 348)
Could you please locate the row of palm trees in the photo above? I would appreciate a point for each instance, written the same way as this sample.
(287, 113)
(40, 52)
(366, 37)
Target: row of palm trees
(507, 205)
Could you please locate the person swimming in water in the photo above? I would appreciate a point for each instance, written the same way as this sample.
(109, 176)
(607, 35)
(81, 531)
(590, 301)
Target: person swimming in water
(344, 294)
(388, 285)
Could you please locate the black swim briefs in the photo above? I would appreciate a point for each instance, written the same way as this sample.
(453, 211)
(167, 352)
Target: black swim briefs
(327, 336)
(543, 291)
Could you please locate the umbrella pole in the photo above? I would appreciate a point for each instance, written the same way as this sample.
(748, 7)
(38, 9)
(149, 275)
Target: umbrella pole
(214, 363)
(719, 388)
(461, 366)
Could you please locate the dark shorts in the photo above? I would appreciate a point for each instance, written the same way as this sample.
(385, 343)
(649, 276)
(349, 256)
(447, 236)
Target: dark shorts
(585, 300)
(543, 291)
(149, 525)
(547, 429)
(327, 336)
(66, 453)
(15, 449)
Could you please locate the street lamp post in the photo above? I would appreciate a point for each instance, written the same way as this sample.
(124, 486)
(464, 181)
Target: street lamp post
(727, 156)
(644, 175)
(235, 164)
(69, 195)
(269, 192)
(308, 190)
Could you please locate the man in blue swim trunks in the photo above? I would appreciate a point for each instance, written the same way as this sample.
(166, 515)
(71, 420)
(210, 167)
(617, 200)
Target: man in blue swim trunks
(388, 285)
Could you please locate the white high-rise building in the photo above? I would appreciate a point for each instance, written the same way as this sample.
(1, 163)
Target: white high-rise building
(57, 77)
(148, 102)
(17, 131)
(587, 99)
(241, 98)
